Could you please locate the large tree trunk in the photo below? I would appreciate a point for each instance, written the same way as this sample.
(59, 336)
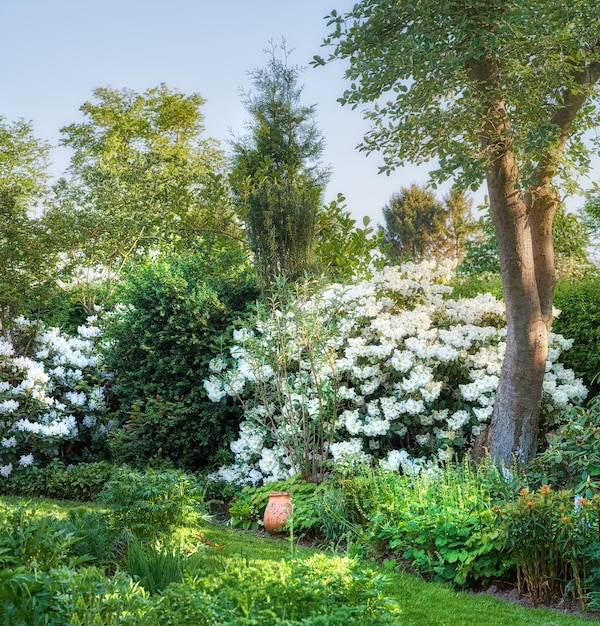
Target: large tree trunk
(524, 228)
(512, 433)
(524, 232)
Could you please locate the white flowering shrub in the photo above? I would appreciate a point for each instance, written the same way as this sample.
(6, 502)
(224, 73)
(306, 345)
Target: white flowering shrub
(52, 398)
(391, 369)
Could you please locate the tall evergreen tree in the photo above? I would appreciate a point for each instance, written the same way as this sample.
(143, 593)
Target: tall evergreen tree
(418, 226)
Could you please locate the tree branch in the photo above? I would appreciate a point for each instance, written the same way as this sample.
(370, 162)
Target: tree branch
(571, 102)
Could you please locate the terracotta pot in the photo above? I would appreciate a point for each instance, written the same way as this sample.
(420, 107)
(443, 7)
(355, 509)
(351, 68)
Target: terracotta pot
(278, 510)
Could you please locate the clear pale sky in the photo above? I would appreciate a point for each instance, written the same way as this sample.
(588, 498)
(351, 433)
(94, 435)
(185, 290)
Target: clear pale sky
(55, 52)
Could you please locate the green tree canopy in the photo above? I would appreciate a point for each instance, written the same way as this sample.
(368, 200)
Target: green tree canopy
(571, 246)
(419, 226)
(591, 218)
(141, 174)
(501, 90)
(345, 251)
(27, 270)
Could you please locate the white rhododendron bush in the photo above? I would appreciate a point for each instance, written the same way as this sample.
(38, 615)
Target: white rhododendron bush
(51, 398)
(390, 370)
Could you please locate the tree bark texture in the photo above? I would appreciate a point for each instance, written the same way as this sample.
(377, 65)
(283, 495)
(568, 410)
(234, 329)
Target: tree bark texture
(523, 223)
(512, 433)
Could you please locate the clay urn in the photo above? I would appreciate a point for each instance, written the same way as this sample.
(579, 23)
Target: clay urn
(278, 510)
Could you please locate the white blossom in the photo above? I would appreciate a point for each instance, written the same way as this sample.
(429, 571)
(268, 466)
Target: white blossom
(89, 421)
(214, 389)
(26, 460)
(6, 348)
(9, 406)
(76, 398)
(5, 470)
(458, 420)
(396, 350)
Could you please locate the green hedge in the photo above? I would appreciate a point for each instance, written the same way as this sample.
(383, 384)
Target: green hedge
(82, 482)
(579, 303)
(178, 306)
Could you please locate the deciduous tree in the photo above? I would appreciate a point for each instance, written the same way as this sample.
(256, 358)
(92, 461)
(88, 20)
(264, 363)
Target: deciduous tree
(27, 266)
(141, 172)
(498, 89)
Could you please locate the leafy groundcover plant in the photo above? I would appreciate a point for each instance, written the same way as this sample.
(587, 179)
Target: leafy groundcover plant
(173, 578)
(247, 508)
(441, 522)
(572, 458)
(217, 576)
(473, 525)
(82, 481)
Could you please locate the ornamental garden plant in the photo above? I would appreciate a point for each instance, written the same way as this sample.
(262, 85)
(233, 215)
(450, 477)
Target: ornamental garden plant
(54, 395)
(370, 390)
(389, 370)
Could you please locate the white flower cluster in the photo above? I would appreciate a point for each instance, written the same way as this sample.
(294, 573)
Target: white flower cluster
(51, 396)
(412, 373)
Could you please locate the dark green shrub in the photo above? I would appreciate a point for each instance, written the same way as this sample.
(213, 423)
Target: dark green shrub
(26, 481)
(176, 309)
(82, 482)
(152, 502)
(572, 458)
(579, 303)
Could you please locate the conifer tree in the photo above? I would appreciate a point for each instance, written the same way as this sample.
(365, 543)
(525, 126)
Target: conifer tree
(277, 177)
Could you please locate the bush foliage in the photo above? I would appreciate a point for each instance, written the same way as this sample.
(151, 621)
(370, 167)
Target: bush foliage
(160, 343)
(82, 482)
(389, 369)
(441, 522)
(152, 502)
(572, 457)
(579, 319)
